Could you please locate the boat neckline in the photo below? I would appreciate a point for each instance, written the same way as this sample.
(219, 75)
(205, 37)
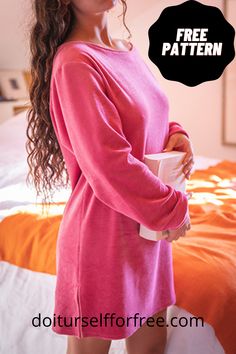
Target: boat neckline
(98, 46)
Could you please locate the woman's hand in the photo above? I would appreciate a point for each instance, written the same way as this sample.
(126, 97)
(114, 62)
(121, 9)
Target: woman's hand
(180, 142)
(173, 235)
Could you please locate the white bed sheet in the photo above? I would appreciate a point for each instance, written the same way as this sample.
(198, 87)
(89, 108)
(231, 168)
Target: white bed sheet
(14, 168)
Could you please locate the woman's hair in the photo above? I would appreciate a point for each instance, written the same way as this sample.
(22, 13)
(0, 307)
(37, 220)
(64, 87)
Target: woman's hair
(53, 21)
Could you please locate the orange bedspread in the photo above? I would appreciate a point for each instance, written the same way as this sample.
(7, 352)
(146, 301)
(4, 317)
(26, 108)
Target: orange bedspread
(204, 260)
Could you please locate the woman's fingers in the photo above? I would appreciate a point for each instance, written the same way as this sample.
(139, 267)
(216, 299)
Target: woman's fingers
(187, 157)
(188, 167)
(189, 195)
(189, 227)
(174, 235)
(172, 238)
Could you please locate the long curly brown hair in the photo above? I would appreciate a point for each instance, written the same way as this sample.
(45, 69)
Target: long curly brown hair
(53, 21)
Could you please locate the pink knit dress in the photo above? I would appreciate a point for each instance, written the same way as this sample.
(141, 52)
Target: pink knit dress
(108, 110)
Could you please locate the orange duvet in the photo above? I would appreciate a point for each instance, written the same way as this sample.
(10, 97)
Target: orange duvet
(204, 260)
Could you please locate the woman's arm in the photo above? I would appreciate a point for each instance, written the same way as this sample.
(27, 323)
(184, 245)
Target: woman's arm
(92, 128)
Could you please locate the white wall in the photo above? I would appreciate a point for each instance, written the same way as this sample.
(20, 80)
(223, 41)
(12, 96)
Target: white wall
(198, 108)
(14, 17)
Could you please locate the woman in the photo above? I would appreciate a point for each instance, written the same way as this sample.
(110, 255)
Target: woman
(96, 110)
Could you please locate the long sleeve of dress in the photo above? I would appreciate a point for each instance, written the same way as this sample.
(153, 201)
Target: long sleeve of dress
(94, 130)
(175, 127)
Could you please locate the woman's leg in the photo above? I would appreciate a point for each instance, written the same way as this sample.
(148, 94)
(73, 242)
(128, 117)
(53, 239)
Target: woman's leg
(87, 345)
(147, 339)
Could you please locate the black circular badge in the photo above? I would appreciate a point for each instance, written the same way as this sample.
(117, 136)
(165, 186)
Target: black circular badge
(191, 43)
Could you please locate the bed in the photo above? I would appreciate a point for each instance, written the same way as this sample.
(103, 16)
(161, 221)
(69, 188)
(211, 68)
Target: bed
(204, 260)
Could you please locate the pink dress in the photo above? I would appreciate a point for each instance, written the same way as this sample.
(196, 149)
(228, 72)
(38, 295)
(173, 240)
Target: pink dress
(108, 110)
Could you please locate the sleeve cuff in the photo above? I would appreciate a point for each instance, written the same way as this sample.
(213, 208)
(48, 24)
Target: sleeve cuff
(175, 127)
